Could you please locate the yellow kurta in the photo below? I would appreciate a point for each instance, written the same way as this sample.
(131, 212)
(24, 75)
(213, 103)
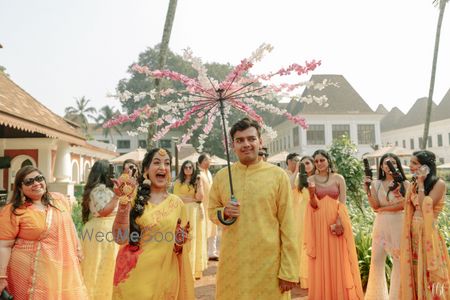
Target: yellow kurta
(198, 256)
(262, 245)
(301, 199)
(154, 271)
(206, 178)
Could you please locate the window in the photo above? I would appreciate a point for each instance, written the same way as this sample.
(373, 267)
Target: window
(404, 143)
(411, 143)
(420, 142)
(165, 144)
(430, 142)
(449, 138)
(315, 135)
(142, 144)
(289, 141)
(396, 143)
(121, 144)
(441, 160)
(440, 144)
(296, 136)
(339, 130)
(284, 144)
(366, 134)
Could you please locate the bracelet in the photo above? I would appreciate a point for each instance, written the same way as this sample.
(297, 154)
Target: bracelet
(422, 190)
(3, 277)
(124, 200)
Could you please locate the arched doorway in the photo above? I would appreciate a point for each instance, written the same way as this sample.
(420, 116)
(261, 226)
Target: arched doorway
(75, 172)
(16, 164)
(87, 169)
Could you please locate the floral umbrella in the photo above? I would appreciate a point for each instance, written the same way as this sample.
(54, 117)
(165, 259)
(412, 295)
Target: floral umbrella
(205, 99)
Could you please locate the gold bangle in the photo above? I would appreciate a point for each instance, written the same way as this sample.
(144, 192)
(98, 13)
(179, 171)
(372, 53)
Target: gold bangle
(124, 200)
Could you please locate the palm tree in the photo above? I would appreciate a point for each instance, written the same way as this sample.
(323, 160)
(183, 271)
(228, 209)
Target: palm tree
(441, 4)
(164, 47)
(105, 114)
(80, 113)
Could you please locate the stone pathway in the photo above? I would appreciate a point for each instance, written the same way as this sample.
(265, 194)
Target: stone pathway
(205, 288)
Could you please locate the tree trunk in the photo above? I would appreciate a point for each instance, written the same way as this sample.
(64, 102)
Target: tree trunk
(426, 128)
(164, 47)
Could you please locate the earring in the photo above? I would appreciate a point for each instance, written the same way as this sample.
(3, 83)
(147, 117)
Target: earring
(169, 181)
(147, 180)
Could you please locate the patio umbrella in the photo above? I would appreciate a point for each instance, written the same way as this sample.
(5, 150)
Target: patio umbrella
(137, 155)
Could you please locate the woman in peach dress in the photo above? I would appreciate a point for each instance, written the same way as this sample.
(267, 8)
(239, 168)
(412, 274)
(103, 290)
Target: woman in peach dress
(388, 203)
(39, 249)
(333, 271)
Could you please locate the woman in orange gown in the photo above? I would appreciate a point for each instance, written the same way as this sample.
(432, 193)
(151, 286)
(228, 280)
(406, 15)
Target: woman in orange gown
(333, 271)
(39, 249)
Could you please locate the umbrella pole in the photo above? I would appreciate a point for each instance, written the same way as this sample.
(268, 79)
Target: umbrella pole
(233, 199)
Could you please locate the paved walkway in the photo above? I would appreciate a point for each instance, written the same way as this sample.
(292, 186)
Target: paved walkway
(205, 288)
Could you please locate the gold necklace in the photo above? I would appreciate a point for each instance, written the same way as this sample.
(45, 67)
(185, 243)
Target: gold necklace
(326, 180)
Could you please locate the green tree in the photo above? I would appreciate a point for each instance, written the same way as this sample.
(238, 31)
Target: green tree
(105, 114)
(343, 151)
(441, 4)
(80, 113)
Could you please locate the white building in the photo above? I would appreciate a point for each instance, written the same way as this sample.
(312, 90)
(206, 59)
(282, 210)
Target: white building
(347, 113)
(31, 134)
(406, 130)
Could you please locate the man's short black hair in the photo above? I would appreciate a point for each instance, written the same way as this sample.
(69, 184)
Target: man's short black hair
(291, 156)
(202, 157)
(244, 124)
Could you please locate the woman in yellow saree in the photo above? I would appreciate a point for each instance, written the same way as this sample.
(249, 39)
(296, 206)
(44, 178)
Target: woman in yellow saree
(300, 195)
(39, 250)
(425, 264)
(189, 188)
(150, 226)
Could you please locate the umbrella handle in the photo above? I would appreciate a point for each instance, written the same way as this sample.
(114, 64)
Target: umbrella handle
(222, 220)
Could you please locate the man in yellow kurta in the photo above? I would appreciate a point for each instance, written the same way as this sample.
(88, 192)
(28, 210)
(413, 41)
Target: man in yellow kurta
(204, 160)
(259, 252)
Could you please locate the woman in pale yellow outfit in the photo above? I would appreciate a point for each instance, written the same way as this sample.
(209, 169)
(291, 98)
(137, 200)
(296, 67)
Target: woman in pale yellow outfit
(100, 251)
(152, 227)
(301, 198)
(39, 249)
(188, 187)
(333, 271)
(425, 264)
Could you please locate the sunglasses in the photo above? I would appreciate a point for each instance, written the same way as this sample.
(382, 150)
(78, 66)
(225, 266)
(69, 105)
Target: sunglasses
(263, 154)
(188, 167)
(30, 181)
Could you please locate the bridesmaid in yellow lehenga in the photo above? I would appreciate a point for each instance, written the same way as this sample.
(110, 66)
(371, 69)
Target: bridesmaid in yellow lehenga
(152, 263)
(100, 251)
(39, 249)
(425, 264)
(189, 188)
(301, 198)
(333, 271)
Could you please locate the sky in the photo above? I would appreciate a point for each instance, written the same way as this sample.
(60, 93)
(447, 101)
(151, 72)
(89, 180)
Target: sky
(59, 50)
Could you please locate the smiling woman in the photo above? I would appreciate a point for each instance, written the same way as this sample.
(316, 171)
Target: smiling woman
(38, 241)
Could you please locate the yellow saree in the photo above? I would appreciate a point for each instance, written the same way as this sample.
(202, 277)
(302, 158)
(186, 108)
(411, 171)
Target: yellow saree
(154, 271)
(425, 264)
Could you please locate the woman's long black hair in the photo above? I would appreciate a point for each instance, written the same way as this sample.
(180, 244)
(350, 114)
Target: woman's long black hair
(143, 195)
(428, 158)
(301, 183)
(18, 199)
(182, 175)
(99, 175)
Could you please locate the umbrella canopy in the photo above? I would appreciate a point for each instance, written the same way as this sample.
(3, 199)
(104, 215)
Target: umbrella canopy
(279, 157)
(137, 155)
(217, 161)
(444, 166)
(399, 151)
